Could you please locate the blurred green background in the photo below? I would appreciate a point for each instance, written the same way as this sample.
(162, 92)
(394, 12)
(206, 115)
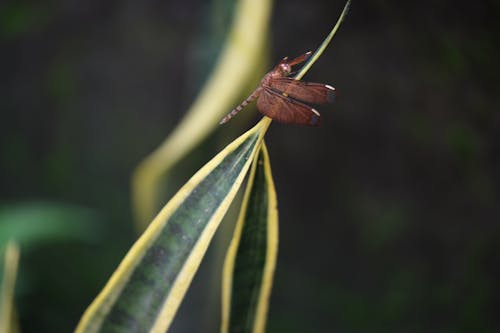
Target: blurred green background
(389, 212)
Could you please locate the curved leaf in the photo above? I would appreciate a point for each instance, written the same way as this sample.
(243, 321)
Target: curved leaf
(319, 51)
(251, 258)
(238, 61)
(145, 291)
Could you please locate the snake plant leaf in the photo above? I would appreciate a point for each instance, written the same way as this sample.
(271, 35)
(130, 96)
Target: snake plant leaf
(319, 51)
(8, 322)
(236, 67)
(251, 258)
(145, 291)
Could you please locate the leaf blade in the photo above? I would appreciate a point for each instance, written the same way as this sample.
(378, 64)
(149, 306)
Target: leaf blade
(145, 291)
(319, 51)
(251, 259)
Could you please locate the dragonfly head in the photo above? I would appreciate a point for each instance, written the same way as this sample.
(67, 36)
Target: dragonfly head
(285, 67)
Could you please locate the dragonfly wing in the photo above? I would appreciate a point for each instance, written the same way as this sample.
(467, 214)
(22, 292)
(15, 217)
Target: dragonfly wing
(286, 109)
(307, 92)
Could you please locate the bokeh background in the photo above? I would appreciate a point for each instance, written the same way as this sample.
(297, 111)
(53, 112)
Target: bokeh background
(389, 212)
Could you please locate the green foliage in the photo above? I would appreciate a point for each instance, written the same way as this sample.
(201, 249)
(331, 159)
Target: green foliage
(35, 223)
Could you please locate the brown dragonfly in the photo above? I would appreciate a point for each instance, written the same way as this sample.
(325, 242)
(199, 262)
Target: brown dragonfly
(285, 99)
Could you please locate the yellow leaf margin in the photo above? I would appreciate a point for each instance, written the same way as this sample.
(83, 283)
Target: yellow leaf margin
(7, 312)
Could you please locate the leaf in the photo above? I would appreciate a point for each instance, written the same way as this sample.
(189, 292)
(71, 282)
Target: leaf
(319, 51)
(251, 258)
(236, 66)
(31, 223)
(145, 291)
(8, 322)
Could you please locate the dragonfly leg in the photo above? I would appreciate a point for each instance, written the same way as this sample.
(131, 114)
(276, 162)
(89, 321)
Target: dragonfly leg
(300, 59)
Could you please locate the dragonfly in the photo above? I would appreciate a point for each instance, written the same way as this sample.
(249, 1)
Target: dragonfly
(286, 100)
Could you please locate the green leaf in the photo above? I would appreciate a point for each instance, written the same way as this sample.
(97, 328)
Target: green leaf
(31, 223)
(319, 51)
(145, 291)
(251, 258)
(236, 67)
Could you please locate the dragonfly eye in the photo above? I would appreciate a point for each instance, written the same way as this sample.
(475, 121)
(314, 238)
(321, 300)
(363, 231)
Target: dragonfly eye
(286, 69)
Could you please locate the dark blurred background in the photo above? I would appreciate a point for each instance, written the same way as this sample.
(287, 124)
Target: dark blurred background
(389, 213)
